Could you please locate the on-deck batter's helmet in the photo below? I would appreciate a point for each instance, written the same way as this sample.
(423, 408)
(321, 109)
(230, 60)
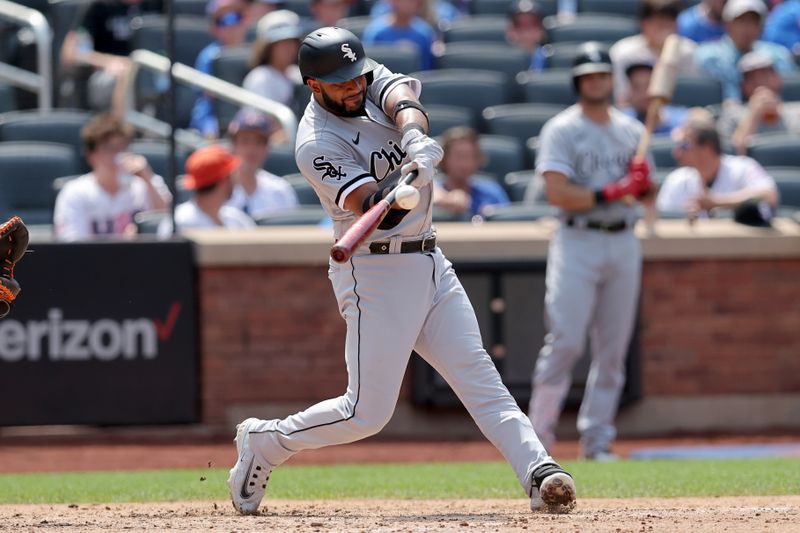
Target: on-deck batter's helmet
(591, 58)
(333, 55)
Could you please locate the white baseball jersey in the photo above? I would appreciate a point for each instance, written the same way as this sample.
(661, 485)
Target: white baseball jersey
(736, 173)
(84, 209)
(189, 215)
(339, 154)
(591, 155)
(272, 193)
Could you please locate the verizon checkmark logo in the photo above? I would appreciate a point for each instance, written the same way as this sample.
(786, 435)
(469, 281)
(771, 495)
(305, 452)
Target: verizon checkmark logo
(164, 329)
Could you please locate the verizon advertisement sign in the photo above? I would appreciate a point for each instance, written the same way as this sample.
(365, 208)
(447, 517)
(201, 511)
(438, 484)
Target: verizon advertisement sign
(104, 333)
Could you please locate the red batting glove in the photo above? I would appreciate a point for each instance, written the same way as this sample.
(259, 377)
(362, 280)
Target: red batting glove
(636, 183)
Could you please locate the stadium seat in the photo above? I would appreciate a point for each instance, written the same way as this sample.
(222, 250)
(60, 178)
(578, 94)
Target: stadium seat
(191, 36)
(522, 121)
(472, 89)
(56, 126)
(561, 55)
(27, 172)
(788, 181)
(603, 28)
(518, 212)
(609, 7)
(498, 57)
(232, 64)
(8, 99)
(444, 117)
(531, 147)
(301, 7)
(503, 155)
(308, 215)
(395, 57)
(501, 7)
(661, 147)
(157, 154)
(281, 160)
(525, 186)
(697, 90)
(148, 222)
(190, 7)
(356, 24)
(773, 150)
(791, 87)
(477, 28)
(550, 87)
(304, 191)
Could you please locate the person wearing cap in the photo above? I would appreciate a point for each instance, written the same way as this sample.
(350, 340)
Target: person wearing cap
(228, 25)
(208, 174)
(763, 111)
(402, 26)
(702, 22)
(709, 180)
(273, 58)
(256, 191)
(104, 201)
(526, 32)
(743, 23)
(782, 26)
(670, 116)
(657, 20)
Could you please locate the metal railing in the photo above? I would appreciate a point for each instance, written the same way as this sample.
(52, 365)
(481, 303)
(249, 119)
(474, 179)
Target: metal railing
(145, 59)
(40, 83)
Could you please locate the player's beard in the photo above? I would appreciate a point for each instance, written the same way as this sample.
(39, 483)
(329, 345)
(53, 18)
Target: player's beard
(340, 109)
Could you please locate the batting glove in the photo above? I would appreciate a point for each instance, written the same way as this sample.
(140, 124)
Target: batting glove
(416, 144)
(636, 183)
(425, 171)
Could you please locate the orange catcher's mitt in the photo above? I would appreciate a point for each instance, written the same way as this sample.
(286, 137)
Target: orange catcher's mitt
(13, 244)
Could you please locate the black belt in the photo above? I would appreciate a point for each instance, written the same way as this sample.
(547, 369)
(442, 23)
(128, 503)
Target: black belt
(407, 247)
(608, 227)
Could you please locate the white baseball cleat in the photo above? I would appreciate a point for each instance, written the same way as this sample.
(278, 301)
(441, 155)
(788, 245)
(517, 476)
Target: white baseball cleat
(248, 478)
(553, 490)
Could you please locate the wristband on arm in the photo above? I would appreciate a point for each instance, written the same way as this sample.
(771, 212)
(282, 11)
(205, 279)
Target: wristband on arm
(405, 104)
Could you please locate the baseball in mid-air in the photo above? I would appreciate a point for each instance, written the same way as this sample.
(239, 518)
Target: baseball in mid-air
(406, 197)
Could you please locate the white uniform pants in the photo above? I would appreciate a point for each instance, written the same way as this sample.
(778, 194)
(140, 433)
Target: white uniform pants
(394, 304)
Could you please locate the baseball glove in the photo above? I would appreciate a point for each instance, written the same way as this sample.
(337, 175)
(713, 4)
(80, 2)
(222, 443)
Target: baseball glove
(13, 244)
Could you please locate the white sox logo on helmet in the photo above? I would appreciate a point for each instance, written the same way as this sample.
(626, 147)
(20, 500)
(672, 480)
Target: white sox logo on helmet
(348, 53)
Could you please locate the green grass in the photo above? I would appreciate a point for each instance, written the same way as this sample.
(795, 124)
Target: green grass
(437, 480)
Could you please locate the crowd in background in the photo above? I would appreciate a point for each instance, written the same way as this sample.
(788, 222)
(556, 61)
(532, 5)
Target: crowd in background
(748, 45)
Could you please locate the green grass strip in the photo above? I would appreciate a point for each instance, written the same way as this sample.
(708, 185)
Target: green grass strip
(624, 479)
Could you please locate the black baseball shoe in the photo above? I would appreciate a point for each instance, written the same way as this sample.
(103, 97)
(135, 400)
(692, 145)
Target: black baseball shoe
(553, 490)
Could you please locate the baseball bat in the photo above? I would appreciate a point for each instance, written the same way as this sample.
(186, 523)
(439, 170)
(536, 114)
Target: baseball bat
(366, 224)
(662, 85)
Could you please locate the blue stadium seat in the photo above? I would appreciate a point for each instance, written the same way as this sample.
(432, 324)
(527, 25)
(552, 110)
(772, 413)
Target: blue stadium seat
(8, 99)
(788, 181)
(56, 126)
(501, 7)
(281, 160)
(603, 28)
(503, 155)
(775, 150)
(791, 87)
(661, 147)
(444, 117)
(522, 121)
(27, 172)
(516, 184)
(191, 36)
(472, 89)
(304, 191)
(356, 24)
(499, 57)
(157, 155)
(478, 28)
(624, 8)
(550, 87)
(190, 7)
(232, 64)
(697, 90)
(395, 57)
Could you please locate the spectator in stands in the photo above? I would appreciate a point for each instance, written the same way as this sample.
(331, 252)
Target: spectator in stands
(258, 9)
(228, 26)
(782, 26)
(702, 22)
(104, 201)
(208, 174)
(401, 25)
(658, 19)
(437, 13)
(670, 116)
(103, 41)
(526, 32)
(743, 21)
(764, 111)
(273, 59)
(328, 13)
(255, 190)
(710, 180)
(455, 190)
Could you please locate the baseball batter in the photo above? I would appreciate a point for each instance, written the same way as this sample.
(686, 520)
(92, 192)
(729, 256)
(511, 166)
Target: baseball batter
(362, 130)
(594, 261)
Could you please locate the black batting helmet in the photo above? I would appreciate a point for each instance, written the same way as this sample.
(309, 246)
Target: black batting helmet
(592, 58)
(333, 55)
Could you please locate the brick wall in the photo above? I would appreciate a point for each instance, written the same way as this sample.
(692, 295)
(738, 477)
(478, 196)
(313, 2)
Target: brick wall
(709, 327)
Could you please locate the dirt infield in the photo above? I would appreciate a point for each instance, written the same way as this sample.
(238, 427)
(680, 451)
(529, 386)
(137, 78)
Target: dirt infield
(772, 514)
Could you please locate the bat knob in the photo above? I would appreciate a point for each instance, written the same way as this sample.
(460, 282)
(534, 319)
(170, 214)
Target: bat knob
(338, 254)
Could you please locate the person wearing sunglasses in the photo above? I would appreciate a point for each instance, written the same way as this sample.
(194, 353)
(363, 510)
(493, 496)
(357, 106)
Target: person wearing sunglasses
(228, 26)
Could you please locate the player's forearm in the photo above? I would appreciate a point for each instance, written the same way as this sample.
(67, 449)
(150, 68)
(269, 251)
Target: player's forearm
(570, 197)
(355, 201)
(408, 115)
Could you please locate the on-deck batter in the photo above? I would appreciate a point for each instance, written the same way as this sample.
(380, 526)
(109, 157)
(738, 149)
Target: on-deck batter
(594, 261)
(363, 127)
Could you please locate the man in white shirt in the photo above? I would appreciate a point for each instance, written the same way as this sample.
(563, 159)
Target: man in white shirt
(710, 180)
(104, 201)
(208, 173)
(256, 191)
